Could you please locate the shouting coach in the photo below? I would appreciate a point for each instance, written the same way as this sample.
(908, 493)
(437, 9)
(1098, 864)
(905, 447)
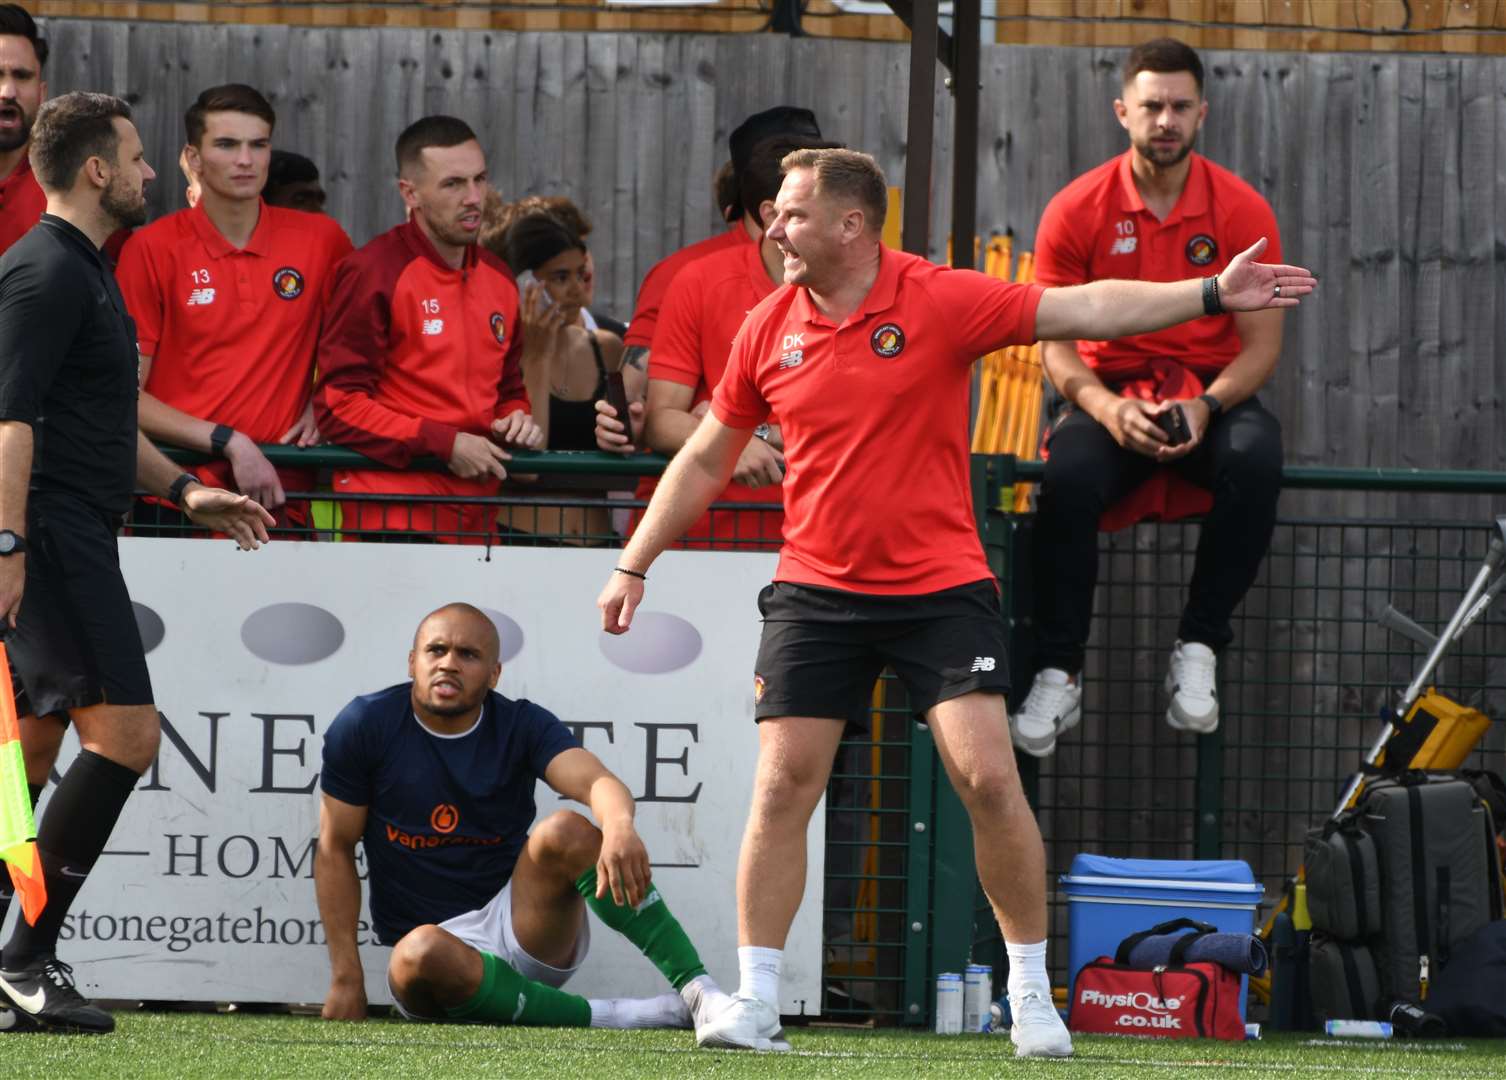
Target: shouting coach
(70, 457)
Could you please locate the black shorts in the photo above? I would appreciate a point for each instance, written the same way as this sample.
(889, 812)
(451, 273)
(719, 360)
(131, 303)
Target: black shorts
(822, 649)
(76, 641)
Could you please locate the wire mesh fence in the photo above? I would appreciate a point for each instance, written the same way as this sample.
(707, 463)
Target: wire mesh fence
(1302, 690)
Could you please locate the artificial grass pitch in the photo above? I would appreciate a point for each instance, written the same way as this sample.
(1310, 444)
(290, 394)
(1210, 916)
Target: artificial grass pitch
(259, 1045)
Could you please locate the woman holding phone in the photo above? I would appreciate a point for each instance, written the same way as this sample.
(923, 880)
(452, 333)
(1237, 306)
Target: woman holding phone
(570, 364)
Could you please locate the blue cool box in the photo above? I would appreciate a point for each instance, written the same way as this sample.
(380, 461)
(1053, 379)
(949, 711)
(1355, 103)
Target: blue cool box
(1110, 899)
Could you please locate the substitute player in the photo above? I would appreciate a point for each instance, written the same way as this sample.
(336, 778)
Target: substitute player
(702, 312)
(488, 917)
(227, 297)
(882, 564)
(1154, 213)
(422, 352)
(23, 53)
(70, 456)
(743, 229)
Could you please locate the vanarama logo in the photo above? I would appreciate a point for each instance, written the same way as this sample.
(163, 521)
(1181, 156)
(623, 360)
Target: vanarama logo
(417, 840)
(444, 818)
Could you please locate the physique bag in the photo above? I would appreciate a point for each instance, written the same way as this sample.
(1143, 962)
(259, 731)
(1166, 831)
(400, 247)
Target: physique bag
(1175, 1001)
(1345, 983)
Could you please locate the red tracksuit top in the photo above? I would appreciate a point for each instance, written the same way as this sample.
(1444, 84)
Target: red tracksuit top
(412, 352)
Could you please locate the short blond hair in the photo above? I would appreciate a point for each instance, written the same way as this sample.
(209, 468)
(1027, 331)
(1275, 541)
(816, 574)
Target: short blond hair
(846, 174)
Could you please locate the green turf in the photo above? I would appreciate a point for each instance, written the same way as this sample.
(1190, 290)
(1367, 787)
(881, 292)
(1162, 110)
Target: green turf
(199, 1045)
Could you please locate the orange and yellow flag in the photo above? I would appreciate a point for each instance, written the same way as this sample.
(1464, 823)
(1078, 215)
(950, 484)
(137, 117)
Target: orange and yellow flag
(18, 829)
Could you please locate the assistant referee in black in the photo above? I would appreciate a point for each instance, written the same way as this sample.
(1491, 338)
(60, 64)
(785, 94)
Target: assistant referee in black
(70, 458)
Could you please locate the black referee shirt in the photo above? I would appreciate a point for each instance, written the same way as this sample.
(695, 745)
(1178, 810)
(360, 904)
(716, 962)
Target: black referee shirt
(68, 365)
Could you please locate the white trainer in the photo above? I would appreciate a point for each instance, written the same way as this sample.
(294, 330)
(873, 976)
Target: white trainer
(663, 1011)
(1191, 683)
(1053, 705)
(745, 1024)
(1038, 1030)
(704, 999)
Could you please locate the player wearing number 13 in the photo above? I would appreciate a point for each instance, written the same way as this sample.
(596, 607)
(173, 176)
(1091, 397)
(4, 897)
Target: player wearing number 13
(882, 563)
(70, 456)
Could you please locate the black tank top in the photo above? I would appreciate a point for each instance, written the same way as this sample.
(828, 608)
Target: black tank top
(572, 424)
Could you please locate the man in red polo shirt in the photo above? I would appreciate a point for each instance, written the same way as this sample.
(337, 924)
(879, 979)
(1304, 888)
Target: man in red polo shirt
(780, 120)
(22, 90)
(1155, 213)
(882, 563)
(702, 312)
(422, 353)
(227, 298)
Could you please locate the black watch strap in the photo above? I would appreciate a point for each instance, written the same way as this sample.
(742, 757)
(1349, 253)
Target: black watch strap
(175, 493)
(1215, 406)
(219, 438)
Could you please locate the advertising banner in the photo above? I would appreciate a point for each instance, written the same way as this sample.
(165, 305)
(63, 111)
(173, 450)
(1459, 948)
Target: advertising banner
(206, 890)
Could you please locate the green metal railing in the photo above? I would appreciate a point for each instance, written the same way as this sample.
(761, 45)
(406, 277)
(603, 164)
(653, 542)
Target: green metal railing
(1300, 689)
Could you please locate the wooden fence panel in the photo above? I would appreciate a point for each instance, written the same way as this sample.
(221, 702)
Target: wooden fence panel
(1386, 173)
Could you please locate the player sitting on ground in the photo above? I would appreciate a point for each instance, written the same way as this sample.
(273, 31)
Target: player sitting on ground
(437, 778)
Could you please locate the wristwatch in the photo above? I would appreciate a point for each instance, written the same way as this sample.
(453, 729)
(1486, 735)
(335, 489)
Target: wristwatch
(11, 543)
(762, 432)
(1215, 406)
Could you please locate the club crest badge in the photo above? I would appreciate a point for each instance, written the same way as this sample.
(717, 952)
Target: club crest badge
(499, 327)
(888, 341)
(288, 283)
(1201, 250)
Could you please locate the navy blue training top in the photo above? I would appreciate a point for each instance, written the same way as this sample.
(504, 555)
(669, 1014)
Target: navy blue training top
(446, 816)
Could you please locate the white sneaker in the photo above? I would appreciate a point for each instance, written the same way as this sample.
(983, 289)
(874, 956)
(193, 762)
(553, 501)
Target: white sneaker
(664, 1011)
(704, 999)
(1053, 705)
(745, 1024)
(1190, 682)
(1038, 1030)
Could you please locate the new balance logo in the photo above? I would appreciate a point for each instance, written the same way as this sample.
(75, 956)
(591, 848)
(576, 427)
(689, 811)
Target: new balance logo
(983, 663)
(793, 358)
(433, 326)
(1124, 245)
(200, 296)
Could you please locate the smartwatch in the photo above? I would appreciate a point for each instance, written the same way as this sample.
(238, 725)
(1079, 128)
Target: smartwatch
(11, 543)
(1215, 406)
(175, 492)
(219, 438)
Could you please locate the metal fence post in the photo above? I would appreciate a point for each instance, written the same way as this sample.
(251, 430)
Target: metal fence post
(917, 997)
(1208, 837)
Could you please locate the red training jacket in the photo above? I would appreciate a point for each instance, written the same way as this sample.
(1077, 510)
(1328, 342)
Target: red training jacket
(411, 353)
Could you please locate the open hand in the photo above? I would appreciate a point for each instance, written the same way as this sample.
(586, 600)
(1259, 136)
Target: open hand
(1247, 285)
(241, 517)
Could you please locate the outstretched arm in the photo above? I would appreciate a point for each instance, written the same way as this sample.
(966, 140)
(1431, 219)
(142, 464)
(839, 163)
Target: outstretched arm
(244, 519)
(1104, 310)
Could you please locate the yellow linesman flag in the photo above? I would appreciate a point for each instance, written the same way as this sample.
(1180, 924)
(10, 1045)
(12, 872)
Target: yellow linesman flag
(18, 829)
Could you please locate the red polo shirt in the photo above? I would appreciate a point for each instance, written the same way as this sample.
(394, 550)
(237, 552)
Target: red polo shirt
(702, 313)
(1098, 227)
(232, 332)
(877, 495)
(21, 203)
(656, 284)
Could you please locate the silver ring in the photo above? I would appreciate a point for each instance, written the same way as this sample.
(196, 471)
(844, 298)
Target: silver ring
(1278, 290)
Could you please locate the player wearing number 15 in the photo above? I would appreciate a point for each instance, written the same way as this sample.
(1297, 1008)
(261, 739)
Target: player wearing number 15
(68, 370)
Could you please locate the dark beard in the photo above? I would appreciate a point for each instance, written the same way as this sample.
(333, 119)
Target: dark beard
(18, 138)
(449, 711)
(1160, 158)
(117, 202)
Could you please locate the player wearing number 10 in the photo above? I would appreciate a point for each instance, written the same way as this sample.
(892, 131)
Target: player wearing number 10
(882, 564)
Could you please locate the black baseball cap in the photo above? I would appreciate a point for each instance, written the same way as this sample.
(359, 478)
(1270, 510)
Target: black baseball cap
(290, 168)
(780, 120)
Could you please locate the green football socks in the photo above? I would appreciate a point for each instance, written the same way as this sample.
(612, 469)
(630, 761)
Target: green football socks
(506, 997)
(651, 927)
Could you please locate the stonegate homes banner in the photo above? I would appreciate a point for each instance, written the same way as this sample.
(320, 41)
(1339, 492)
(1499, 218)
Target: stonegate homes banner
(206, 891)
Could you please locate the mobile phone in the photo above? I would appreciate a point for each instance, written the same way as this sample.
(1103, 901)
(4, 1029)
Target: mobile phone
(618, 399)
(526, 279)
(1174, 423)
